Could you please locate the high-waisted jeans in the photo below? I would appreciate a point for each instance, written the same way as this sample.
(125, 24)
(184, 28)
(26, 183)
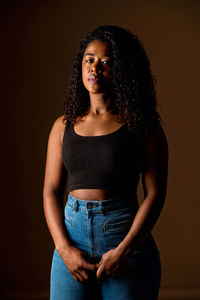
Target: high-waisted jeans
(96, 227)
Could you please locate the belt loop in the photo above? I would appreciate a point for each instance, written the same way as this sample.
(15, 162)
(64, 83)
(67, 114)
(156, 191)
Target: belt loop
(102, 210)
(75, 205)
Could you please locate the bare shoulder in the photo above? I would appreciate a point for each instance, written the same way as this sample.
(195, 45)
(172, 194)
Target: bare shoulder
(157, 138)
(156, 146)
(58, 123)
(58, 128)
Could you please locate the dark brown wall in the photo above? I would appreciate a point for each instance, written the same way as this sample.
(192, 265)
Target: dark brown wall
(38, 42)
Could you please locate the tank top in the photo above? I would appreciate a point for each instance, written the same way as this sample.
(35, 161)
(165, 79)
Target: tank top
(110, 161)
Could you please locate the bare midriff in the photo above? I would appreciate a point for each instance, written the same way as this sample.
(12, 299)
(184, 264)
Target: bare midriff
(93, 194)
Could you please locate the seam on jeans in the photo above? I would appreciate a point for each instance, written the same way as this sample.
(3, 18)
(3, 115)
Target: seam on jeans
(69, 220)
(96, 241)
(88, 232)
(69, 204)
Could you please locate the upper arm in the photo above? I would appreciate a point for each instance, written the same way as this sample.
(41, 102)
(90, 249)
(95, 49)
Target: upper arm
(155, 165)
(55, 172)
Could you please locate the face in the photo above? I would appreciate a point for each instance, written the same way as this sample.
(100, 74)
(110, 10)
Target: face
(96, 67)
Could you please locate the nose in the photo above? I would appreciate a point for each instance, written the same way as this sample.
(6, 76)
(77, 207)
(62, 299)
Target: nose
(96, 67)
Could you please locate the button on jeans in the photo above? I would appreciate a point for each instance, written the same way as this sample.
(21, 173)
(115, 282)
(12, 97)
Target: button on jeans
(97, 227)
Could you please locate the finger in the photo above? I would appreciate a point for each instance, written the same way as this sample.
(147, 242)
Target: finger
(89, 266)
(98, 265)
(75, 278)
(79, 276)
(84, 274)
(100, 272)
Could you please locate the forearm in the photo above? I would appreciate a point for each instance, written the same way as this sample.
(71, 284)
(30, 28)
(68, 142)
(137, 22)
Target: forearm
(143, 223)
(54, 214)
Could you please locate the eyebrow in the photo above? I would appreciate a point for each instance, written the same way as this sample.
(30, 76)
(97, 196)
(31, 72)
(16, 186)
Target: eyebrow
(92, 54)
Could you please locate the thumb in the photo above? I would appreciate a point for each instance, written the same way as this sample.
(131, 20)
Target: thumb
(90, 266)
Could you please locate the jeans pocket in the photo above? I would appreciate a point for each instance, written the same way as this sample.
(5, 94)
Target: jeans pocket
(68, 219)
(118, 224)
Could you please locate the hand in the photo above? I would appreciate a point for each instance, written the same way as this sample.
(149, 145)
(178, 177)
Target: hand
(78, 265)
(112, 264)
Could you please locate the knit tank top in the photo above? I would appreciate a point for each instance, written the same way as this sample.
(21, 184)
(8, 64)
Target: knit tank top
(110, 161)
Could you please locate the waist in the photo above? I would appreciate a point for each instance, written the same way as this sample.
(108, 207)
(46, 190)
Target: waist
(112, 203)
(100, 194)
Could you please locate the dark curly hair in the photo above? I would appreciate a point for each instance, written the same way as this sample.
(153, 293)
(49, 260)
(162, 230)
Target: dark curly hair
(132, 93)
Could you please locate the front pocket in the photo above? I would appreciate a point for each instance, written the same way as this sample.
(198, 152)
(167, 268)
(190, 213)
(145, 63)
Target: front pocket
(68, 220)
(118, 224)
(69, 204)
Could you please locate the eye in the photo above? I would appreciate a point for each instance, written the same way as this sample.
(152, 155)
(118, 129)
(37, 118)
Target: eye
(106, 62)
(88, 60)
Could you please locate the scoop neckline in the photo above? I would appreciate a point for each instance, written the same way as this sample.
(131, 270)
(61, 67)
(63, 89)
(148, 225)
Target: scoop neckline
(97, 136)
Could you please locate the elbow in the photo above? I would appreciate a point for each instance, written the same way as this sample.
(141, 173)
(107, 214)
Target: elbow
(51, 194)
(47, 193)
(46, 198)
(157, 199)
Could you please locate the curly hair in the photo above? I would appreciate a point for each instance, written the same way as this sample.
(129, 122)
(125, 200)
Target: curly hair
(133, 97)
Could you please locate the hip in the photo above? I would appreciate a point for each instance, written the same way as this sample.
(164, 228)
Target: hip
(98, 226)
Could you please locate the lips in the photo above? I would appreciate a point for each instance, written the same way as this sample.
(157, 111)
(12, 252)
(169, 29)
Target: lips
(94, 79)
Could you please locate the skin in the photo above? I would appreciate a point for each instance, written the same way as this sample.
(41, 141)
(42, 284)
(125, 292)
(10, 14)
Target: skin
(98, 121)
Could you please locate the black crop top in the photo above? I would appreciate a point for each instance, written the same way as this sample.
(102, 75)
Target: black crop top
(110, 161)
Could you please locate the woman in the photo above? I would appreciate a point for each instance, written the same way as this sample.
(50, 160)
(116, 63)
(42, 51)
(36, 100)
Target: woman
(109, 135)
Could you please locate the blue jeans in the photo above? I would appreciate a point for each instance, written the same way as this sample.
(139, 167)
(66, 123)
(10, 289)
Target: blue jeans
(96, 227)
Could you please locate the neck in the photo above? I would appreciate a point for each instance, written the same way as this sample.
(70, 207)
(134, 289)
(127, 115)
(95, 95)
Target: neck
(99, 104)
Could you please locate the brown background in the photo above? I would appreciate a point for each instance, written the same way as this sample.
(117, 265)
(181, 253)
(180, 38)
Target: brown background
(38, 42)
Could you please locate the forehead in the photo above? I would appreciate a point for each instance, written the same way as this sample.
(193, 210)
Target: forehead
(98, 46)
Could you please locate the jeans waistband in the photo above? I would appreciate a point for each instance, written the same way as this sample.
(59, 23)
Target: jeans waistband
(115, 202)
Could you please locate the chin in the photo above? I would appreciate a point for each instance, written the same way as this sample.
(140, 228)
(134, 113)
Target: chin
(98, 92)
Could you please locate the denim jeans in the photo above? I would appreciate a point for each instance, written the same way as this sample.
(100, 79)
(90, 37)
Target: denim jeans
(96, 227)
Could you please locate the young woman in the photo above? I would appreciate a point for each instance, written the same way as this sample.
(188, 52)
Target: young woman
(109, 135)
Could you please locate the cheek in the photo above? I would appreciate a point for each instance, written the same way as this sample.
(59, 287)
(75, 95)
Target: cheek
(85, 71)
(85, 78)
